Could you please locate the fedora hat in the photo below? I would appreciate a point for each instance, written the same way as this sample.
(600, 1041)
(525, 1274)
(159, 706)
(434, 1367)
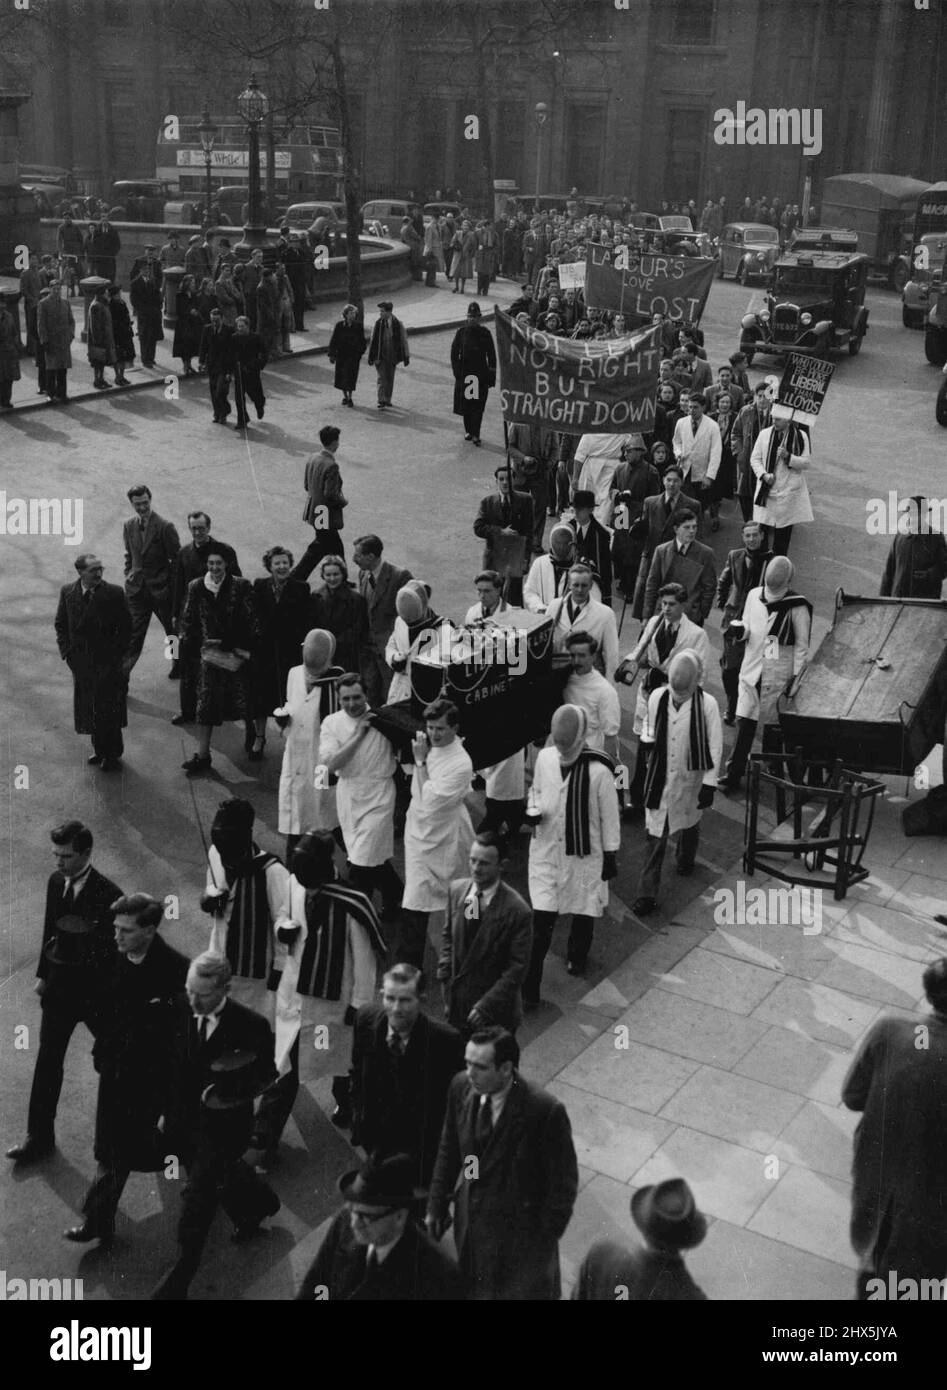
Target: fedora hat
(667, 1214)
(385, 304)
(382, 1182)
(583, 498)
(236, 1083)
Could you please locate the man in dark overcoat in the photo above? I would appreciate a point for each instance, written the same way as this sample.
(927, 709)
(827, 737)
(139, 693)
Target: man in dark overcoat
(473, 360)
(93, 631)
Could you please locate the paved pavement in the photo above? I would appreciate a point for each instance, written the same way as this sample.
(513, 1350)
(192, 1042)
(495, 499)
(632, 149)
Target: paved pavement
(736, 1037)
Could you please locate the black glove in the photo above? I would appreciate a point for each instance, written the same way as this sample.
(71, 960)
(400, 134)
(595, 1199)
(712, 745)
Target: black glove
(609, 864)
(705, 797)
(214, 903)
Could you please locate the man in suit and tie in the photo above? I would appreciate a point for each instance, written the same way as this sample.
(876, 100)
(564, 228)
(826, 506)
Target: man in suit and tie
(93, 630)
(510, 1208)
(131, 1056)
(210, 1035)
(686, 562)
(324, 503)
(504, 523)
(402, 1064)
(667, 1217)
(72, 974)
(655, 525)
(698, 449)
(742, 572)
(378, 583)
(374, 1251)
(151, 549)
(750, 421)
(579, 612)
(485, 944)
(215, 357)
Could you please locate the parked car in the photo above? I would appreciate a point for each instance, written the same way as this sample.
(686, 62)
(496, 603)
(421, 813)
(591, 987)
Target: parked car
(748, 250)
(816, 304)
(922, 289)
(302, 215)
(935, 327)
(667, 233)
(440, 210)
(940, 409)
(140, 200)
(389, 213)
(46, 196)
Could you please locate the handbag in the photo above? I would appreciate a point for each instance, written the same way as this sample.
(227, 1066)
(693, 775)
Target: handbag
(224, 661)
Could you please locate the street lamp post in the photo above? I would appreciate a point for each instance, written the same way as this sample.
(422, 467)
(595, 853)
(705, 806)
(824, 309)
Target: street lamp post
(208, 133)
(253, 106)
(540, 115)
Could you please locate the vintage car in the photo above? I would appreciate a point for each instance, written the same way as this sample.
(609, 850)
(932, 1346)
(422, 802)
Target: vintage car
(302, 215)
(748, 250)
(140, 200)
(935, 328)
(816, 304)
(922, 289)
(661, 233)
(940, 410)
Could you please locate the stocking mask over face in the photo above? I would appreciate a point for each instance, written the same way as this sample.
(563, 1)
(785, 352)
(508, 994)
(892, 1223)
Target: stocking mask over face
(232, 832)
(684, 674)
(318, 651)
(411, 601)
(569, 726)
(313, 859)
(560, 542)
(778, 577)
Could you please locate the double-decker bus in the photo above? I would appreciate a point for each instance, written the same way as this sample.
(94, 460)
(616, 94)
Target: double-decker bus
(308, 159)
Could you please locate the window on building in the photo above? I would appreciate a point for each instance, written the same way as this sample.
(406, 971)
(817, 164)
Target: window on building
(508, 141)
(585, 143)
(117, 14)
(687, 133)
(692, 21)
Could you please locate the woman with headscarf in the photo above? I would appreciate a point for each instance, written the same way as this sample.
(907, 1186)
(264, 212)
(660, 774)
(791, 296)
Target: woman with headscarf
(220, 631)
(548, 577)
(340, 610)
(415, 617)
(777, 623)
(346, 349)
(685, 735)
(573, 809)
(286, 614)
(306, 801)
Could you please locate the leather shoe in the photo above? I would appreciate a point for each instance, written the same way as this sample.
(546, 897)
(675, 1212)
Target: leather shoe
(730, 784)
(341, 1117)
(643, 907)
(729, 719)
(80, 1234)
(248, 1229)
(574, 968)
(110, 764)
(93, 760)
(178, 719)
(30, 1151)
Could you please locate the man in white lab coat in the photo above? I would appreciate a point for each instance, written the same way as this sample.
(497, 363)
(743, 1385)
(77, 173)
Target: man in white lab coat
(505, 781)
(438, 832)
(351, 748)
(685, 732)
(579, 612)
(310, 696)
(573, 808)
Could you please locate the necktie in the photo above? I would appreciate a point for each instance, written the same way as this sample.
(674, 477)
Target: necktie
(484, 1125)
(142, 524)
(682, 549)
(664, 640)
(87, 596)
(396, 1047)
(202, 1030)
(371, 581)
(371, 1261)
(694, 428)
(506, 509)
(69, 894)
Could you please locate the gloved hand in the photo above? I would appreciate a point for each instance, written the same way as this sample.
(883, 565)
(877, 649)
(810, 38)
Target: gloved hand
(705, 797)
(609, 864)
(214, 903)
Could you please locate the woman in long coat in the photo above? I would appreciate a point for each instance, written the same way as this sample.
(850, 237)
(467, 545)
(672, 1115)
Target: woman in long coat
(285, 607)
(9, 356)
(188, 324)
(229, 297)
(122, 332)
(463, 245)
(473, 359)
(340, 610)
(346, 349)
(100, 338)
(56, 328)
(220, 633)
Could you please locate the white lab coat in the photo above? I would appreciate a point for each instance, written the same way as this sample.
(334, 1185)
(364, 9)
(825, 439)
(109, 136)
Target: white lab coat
(438, 832)
(773, 672)
(788, 502)
(599, 698)
(295, 1011)
(596, 618)
(365, 794)
(302, 806)
(689, 637)
(540, 588)
(399, 645)
(698, 454)
(565, 883)
(506, 781)
(597, 456)
(678, 807)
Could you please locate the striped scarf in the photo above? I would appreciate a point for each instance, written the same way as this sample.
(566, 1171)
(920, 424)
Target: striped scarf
(250, 929)
(698, 760)
(578, 831)
(781, 609)
(793, 441)
(329, 702)
(323, 959)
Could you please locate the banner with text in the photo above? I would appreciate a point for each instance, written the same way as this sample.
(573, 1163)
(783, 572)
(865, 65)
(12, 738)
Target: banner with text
(677, 286)
(576, 387)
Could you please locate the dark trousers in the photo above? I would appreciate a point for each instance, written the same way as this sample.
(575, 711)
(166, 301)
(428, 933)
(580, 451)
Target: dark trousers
(731, 685)
(473, 417)
(636, 788)
(386, 381)
(276, 1105)
(780, 538)
(430, 277)
(147, 340)
(577, 947)
(686, 853)
(56, 384)
(513, 590)
(498, 812)
(6, 393)
(483, 283)
(102, 1199)
(247, 383)
(141, 606)
(62, 1012)
(384, 877)
(107, 741)
(219, 384)
(410, 939)
(739, 755)
(539, 491)
(326, 542)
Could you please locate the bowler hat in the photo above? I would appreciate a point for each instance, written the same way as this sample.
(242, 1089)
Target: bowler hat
(667, 1214)
(236, 1083)
(382, 1182)
(582, 498)
(385, 304)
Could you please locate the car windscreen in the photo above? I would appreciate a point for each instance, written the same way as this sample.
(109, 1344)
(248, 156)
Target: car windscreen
(801, 279)
(762, 234)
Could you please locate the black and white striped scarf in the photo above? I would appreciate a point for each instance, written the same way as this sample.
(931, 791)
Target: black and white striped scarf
(780, 609)
(578, 831)
(323, 959)
(793, 440)
(698, 760)
(250, 928)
